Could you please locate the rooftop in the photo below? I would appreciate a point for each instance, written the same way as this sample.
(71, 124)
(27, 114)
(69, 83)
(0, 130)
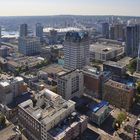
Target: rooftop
(47, 107)
(115, 64)
(72, 120)
(137, 125)
(92, 70)
(104, 47)
(76, 36)
(119, 85)
(99, 107)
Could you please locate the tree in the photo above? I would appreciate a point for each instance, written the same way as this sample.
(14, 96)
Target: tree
(2, 120)
(119, 120)
(132, 66)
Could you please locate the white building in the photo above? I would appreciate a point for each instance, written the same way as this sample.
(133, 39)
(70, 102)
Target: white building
(70, 84)
(43, 114)
(76, 50)
(11, 88)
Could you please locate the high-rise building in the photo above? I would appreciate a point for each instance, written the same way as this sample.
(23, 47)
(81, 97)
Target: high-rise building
(117, 32)
(0, 36)
(53, 37)
(23, 30)
(39, 31)
(138, 61)
(76, 50)
(70, 84)
(105, 30)
(29, 45)
(132, 40)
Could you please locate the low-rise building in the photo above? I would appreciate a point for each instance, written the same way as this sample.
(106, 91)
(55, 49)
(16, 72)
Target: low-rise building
(98, 112)
(69, 128)
(23, 62)
(11, 88)
(137, 130)
(70, 84)
(44, 113)
(3, 51)
(117, 69)
(105, 52)
(118, 94)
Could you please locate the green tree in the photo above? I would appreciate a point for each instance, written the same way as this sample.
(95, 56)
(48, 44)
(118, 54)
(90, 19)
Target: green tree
(118, 121)
(132, 66)
(2, 120)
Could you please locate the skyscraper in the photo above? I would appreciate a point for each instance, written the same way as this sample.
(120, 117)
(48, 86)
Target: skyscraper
(117, 32)
(132, 40)
(76, 50)
(23, 30)
(39, 31)
(0, 36)
(105, 30)
(138, 60)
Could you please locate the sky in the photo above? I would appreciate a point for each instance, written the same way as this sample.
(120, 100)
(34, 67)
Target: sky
(69, 7)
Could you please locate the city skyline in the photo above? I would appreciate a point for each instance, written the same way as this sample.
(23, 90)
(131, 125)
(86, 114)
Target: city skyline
(69, 7)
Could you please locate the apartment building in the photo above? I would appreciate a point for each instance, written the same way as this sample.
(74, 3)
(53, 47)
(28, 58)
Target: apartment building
(70, 84)
(44, 113)
(118, 94)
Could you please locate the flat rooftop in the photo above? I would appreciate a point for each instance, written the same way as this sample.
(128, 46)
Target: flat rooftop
(104, 48)
(98, 108)
(92, 70)
(71, 121)
(115, 64)
(119, 85)
(53, 68)
(53, 106)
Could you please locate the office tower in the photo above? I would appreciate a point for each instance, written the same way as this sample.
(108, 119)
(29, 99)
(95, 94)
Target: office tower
(105, 30)
(39, 31)
(29, 45)
(50, 117)
(70, 84)
(23, 30)
(117, 32)
(138, 60)
(132, 40)
(0, 36)
(53, 37)
(76, 50)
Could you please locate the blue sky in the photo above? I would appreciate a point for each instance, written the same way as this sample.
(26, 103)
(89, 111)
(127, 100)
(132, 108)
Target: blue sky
(76, 7)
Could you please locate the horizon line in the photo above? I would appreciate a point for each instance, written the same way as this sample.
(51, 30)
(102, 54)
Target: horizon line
(70, 15)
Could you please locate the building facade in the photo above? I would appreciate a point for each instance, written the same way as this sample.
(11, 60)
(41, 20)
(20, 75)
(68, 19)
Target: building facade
(23, 30)
(39, 31)
(70, 84)
(105, 30)
(44, 113)
(29, 45)
(76, 50)
(118, 94)
(93, 82)
(132, 40)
